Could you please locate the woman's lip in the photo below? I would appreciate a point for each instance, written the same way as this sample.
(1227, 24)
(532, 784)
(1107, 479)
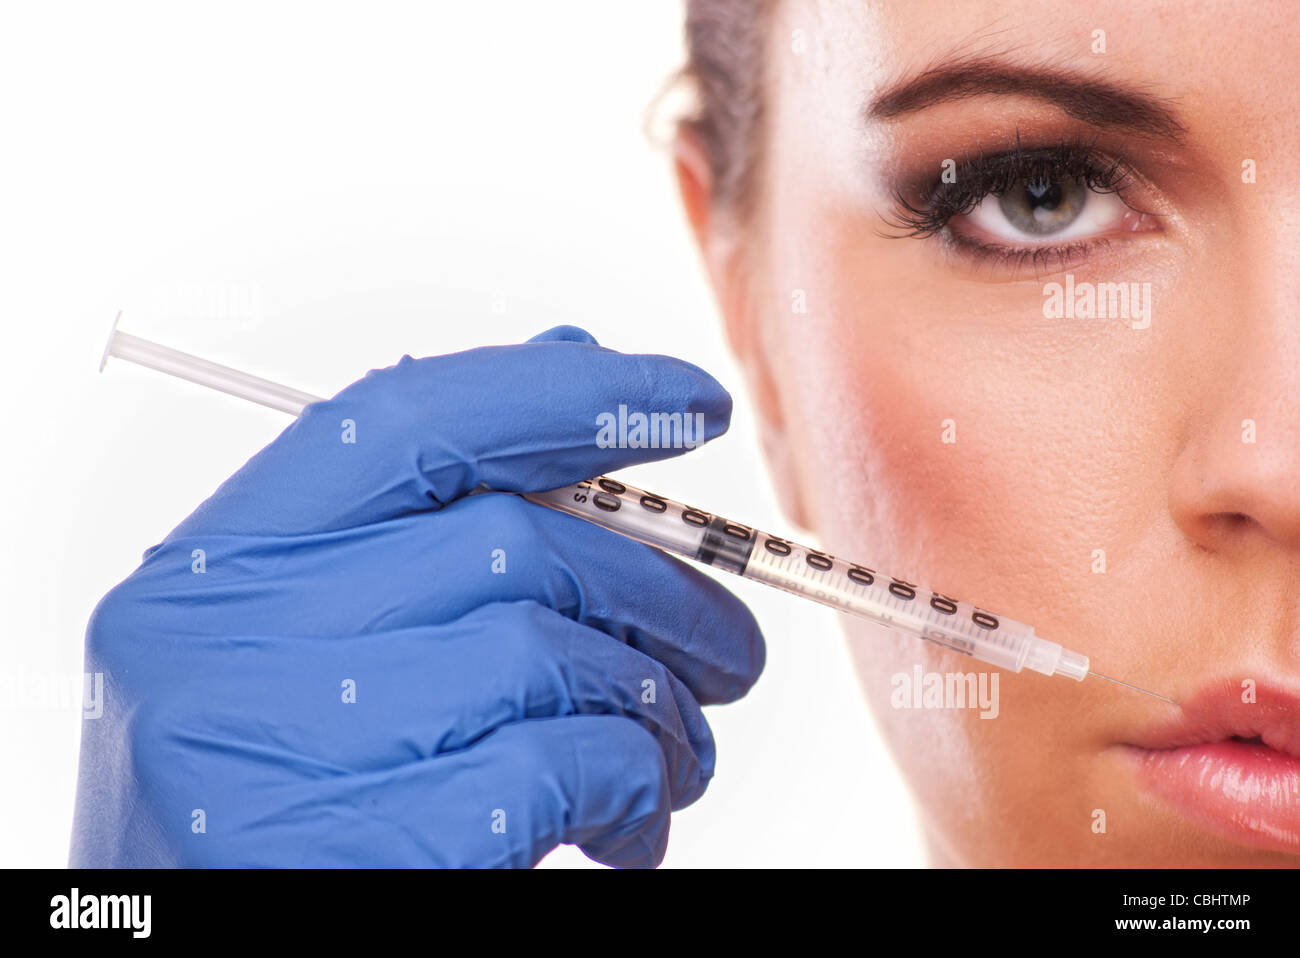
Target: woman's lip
(1249, 794)
(1229, 762)
(1229, 710)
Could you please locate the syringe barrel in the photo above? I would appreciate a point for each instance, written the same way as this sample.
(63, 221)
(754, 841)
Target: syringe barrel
(631, 512)
(813, 574)
(893, 602)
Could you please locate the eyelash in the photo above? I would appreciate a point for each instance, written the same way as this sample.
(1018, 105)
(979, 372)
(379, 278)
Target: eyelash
(926, 211)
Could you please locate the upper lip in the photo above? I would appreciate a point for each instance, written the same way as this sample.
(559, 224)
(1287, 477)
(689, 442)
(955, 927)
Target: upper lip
(1224, 712)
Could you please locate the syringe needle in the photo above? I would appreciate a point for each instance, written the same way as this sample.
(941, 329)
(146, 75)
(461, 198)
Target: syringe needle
(1133, 687)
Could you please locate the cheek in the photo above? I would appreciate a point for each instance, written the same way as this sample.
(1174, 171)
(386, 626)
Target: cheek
(989, 457)
(984, 457)
(925, 460)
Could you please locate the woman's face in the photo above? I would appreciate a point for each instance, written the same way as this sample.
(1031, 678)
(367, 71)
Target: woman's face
(1127, 483)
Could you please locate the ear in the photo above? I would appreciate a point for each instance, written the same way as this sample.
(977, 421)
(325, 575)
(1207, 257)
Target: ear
(728, 260)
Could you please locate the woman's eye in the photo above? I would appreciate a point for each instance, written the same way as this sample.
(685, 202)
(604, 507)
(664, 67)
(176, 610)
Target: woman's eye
(1043, 210)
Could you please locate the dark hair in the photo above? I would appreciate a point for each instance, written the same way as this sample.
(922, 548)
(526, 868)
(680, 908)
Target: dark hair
(724, 69)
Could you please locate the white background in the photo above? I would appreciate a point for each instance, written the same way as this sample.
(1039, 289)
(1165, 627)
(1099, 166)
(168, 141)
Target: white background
(307, 192)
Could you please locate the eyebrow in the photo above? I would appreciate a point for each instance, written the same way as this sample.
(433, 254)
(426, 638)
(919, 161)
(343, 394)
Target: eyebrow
(1085, 98)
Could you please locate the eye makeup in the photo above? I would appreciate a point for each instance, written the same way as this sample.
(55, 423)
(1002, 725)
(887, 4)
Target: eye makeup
(1025, 205)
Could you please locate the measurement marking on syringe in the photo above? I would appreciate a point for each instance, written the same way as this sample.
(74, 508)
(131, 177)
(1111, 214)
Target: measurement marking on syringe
(892, 601)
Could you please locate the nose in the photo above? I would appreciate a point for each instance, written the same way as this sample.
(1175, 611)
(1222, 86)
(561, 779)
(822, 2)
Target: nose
(1236, 481)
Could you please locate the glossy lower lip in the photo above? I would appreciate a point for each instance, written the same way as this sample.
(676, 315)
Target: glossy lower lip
(1247, 793)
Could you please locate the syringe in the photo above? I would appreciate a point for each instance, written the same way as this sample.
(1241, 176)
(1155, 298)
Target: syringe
(713, 540)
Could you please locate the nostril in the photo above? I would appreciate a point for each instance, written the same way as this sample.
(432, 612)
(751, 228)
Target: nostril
(1232, 520)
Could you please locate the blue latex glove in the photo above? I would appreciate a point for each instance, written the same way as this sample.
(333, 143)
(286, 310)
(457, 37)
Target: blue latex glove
(496, 715)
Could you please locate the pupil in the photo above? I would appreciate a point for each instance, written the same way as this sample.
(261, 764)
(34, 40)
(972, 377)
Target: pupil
(1043, 194)
(1043, 204)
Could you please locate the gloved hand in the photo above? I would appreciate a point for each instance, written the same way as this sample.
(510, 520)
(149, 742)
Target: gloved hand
(341, 658)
